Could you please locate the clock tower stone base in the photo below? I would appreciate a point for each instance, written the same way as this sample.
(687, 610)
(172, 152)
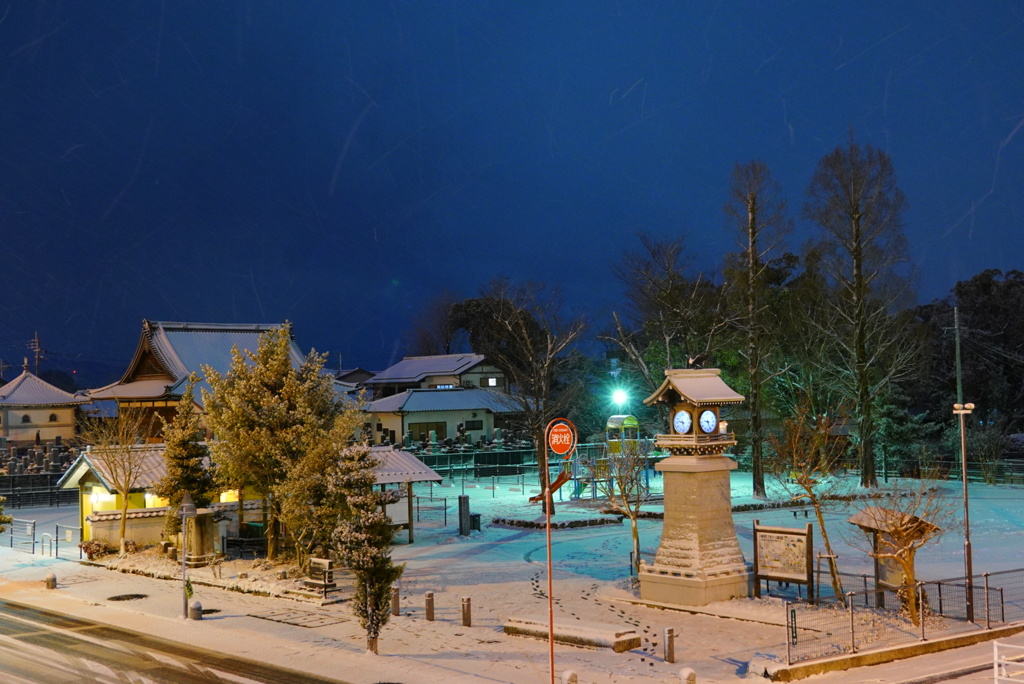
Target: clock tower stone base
(699, 559)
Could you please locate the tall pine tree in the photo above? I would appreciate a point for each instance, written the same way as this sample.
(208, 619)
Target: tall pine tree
(186, 459)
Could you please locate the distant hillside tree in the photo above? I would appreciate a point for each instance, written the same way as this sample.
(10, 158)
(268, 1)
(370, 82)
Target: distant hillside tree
(518, 329)
(854, 199)
(186, 459)
(758, 214)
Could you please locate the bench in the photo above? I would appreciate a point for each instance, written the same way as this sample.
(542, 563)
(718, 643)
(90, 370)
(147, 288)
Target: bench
(577, 633)
(321, 575)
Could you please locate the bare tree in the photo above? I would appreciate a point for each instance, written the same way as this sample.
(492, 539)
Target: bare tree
(758, 213)
(803, 461)
(621, 479)
(116, 446)
(906, 519)
(519, 329)
(434, 330)
(855, 201)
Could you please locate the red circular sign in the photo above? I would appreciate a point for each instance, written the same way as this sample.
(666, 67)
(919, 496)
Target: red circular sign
(561, 439)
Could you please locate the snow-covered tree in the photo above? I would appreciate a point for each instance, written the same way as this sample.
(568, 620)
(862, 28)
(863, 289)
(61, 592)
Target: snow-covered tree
(363, 539)
(268, 417)
(186, 459)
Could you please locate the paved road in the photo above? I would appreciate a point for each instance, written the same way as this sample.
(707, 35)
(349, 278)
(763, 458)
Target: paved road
(41, 646)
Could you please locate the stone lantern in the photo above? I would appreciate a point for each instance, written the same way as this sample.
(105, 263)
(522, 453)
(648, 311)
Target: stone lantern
(699, 559)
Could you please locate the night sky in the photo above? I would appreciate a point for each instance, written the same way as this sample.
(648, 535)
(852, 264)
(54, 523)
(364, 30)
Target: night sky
(338, 163)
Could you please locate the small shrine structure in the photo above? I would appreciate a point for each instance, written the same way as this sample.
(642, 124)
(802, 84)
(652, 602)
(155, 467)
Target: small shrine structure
(699, 559)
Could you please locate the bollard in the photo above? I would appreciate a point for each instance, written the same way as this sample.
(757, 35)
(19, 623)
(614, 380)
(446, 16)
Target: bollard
(687, 676)
(429, 601)
(396, 609)
(195, 610)
(51, 581)
(670, 645)
(569, 677)
(467, 612)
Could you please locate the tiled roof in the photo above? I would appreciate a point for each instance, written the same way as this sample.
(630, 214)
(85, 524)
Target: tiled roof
(396, 466)
(28, 390)
(182, 349)
(455, 399)
(415, 368)
(698, 386)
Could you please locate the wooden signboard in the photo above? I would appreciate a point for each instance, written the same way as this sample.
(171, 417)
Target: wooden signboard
(784, 554)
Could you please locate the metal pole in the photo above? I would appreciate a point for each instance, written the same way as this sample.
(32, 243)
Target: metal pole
(184, 581)
(962, 410)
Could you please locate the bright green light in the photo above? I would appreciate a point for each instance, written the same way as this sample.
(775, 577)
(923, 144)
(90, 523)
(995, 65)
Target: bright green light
(620, 397)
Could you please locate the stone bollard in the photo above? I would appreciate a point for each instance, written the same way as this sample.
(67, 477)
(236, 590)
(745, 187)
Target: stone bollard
(195, 610)
(51, 581)
(687, 676)
(670, 645)
(282, 574)
(428, 599)
(467, 612)
(569, 677)
(396, 596)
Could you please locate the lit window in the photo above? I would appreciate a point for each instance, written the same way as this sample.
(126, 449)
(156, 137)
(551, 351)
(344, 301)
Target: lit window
(492, 382)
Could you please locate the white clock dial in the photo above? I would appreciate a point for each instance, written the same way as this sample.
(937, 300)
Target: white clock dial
(708, 421)
(682, 422)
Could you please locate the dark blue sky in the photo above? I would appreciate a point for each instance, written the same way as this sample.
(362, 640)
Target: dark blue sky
(338, 163)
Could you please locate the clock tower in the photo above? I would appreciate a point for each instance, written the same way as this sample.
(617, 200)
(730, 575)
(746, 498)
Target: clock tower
(699, 559)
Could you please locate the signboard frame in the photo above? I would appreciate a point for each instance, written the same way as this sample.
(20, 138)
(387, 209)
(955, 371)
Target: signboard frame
(792, 552)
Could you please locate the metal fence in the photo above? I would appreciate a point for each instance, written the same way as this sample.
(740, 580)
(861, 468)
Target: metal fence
(879, 617)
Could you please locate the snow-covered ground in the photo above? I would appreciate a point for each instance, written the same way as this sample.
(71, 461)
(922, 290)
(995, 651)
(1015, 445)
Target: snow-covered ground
(502, 570)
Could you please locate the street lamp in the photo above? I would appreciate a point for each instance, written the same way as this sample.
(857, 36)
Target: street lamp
(962, 410)
(620, 397)
(187, 510)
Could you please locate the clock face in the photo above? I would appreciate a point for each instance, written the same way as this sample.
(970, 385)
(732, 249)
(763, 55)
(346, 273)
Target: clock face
(708, 421)
(682, 422)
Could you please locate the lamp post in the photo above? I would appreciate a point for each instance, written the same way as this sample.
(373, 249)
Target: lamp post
(962, 410)
(187, 510)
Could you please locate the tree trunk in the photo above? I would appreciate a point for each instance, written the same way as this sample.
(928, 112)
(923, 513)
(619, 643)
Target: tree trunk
(833, 568)
(124, 520)
(371, 644)
(636, 543)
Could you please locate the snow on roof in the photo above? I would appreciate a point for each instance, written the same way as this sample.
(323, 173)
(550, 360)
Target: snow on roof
(400, 466)
(396, 467)
(415, 368)
(453, 399)
(697, 386)
(151, 468)
(29, 390)
(182, 349)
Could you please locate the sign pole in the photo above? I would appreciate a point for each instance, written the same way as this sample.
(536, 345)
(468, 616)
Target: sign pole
(560, 437)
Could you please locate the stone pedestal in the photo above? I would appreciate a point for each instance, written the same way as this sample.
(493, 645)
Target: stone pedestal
(699, 559)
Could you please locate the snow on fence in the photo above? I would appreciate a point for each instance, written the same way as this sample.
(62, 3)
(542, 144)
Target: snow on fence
(877, 618)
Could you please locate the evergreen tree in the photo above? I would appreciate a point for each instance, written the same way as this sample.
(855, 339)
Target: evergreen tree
(363, 539)
(4, 519)
(269, 413)
(186, 459)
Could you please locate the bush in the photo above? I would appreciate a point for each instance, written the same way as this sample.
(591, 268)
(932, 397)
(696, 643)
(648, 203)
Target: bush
(94, 548)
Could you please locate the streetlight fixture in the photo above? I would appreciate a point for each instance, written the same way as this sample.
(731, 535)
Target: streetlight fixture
(620, 397)
(187, 510)
(962, 410)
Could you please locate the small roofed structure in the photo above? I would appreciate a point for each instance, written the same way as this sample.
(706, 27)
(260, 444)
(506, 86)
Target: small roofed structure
(100, 503)
(697, 387)
(34, 411)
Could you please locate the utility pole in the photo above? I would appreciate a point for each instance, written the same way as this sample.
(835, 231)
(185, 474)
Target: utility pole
(960, 410)
(37, 348)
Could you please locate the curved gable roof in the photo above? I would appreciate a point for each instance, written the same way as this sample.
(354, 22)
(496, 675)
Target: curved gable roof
(29, 390)
(416, 368)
